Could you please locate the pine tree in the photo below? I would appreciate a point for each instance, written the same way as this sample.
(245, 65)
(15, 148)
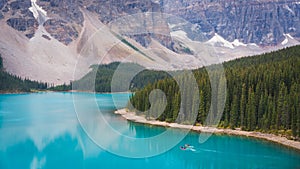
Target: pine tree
(176, 104)
(243, 106)
(250, 111)
(234, 112)
(294, 109)
(282, 114)
(260, 111)
(201, 113)
(1, 63)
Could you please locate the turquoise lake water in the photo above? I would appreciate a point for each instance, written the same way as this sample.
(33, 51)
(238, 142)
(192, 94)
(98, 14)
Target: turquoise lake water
(43, 130)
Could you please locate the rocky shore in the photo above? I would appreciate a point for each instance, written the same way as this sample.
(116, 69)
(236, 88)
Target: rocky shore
(131, 116)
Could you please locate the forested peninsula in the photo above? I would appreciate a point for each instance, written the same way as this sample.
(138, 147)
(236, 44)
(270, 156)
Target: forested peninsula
(263, 94)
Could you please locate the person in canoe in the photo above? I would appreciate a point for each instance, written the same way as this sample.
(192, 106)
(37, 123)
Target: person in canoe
(182, 147)
(187, 147)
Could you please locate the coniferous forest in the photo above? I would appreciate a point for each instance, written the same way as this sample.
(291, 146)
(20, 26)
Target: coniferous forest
(99, 79)
(263, 94)
(12, 83)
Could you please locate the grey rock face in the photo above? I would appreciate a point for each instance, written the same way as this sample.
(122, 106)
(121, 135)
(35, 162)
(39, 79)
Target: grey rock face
(66, 19)
(64, 33)
(110, 10)
(67, 10)
(262, 22)
(2, 3)
(20, 24)
(18, 16)
(114, 9)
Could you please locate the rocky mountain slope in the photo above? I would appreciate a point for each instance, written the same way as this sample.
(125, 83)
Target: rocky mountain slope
(263, 22)
(56, 41)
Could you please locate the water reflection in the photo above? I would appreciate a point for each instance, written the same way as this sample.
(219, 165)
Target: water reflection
(108, 134)
(42, 128)
(31, 125)
(42, 131)
(36, 117)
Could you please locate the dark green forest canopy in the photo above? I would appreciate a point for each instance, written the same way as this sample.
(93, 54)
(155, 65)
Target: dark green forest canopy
(263, 93)
(100, 78)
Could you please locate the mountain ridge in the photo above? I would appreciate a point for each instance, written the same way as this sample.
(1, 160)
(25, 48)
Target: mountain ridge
(53, 36)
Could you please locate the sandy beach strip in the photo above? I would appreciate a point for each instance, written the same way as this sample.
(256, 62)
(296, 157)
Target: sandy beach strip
(131, 116)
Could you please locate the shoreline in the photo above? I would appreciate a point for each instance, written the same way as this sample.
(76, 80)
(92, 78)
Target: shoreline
(131, 116)
(67, 91)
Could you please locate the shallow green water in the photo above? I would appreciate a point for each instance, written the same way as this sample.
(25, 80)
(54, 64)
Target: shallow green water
(42, 131)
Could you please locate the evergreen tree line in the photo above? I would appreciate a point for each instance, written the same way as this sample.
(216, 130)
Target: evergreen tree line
(263, 93)
(12, 83)
(60, 88)
(100, 78)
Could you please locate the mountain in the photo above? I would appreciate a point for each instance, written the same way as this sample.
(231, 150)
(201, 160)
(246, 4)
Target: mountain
(263, 22)
(64, 38)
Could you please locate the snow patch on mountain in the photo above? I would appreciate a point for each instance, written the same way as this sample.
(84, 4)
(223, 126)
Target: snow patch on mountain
(285, 41)
(38, 12)
(289, 9)
(236, 42)
(288, 37)
(218, 40)
(155, 1)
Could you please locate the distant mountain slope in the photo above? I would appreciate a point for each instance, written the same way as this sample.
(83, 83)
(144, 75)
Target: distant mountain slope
(49, 36)
(263, 22)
